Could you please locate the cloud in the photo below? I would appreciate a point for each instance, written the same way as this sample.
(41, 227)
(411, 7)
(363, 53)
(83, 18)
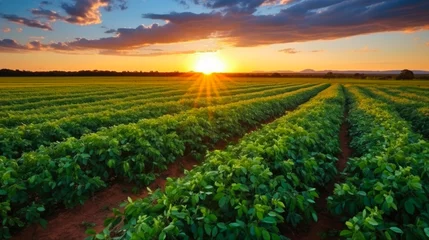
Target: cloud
(140, 54)
(365, 49)
(235, 6)
(9, 45)
(318, 51)
(48, 14)
(45, 3)
(85, 12)
(19, 30)
(298, 21)
(6, 30)
(110, 31)
(427, 44)
(37, 37)
(289, 51)
(27, 22)
(275, 2)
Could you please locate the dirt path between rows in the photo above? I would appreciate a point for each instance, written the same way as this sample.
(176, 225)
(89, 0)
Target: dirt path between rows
(71, 224)
(328, 226)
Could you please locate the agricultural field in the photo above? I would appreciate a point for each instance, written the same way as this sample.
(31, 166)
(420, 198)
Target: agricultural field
(213, 157)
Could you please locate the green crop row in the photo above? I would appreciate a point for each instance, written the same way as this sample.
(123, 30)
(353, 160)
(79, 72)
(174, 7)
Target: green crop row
(42, 99)
(115, 102)
(67, 173)
(14, 118)
(408, 109)
(246, 191)
(82, 99)
(386, 191)
(406, 94)
(16, 141)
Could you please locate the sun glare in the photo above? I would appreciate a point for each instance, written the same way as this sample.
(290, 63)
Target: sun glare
(209, 63)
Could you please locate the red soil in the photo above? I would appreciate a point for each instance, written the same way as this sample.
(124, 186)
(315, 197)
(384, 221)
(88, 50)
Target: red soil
(327, 226)
(71, 224)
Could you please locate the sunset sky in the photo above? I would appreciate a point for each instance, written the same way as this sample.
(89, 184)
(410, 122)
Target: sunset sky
(247, 35)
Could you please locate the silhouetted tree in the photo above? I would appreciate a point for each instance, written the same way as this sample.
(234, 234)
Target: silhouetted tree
(329, 75)
(405, 75)
(276, 75)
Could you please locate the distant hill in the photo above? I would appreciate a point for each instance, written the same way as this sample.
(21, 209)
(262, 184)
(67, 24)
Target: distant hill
(312, 71)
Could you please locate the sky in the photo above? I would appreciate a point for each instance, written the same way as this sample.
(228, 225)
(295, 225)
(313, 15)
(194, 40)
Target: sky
(246, 35)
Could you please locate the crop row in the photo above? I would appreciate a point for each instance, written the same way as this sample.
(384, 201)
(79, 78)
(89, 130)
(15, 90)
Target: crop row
(28, 96)
(74, 100)
(410, 110)
(67, 173)
(406, 94)
(246, 191)
(67, 107)
(16, 141)
(386, 191)
(15, 93)
(42, 99)
(161, 95)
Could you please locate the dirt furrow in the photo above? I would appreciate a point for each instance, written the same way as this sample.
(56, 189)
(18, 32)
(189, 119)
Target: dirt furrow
(327, 226)
(71, 224)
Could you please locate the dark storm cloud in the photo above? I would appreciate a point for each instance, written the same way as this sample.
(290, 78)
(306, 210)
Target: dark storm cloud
(27, 22)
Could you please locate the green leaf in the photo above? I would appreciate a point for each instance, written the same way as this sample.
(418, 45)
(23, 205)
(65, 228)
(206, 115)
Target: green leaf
(314, 215)
(372, 222)
(389, 199)
(223, 201)
(426, 231)
(43, 223)
(221, 225)
(358, 236)
(208, 229)
(345, 233)
(388, 237)
(265, 235)
(396, 230)
(162, 236)
(99, 236)
(409, 206)
(90, 231)
(269, 220)
(361, 193)
(234, 224)
(41, 209)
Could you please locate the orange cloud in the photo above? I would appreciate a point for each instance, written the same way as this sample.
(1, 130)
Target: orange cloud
(289, 51)
(6, 30)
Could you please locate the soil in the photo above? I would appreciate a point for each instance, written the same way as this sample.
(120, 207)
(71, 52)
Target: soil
(71, 224)
(327, 226)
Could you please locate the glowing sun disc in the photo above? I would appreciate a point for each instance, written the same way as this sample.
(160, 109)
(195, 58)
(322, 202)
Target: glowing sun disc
(209, 63)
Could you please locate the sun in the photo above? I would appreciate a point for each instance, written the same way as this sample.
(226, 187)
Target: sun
(209, 63)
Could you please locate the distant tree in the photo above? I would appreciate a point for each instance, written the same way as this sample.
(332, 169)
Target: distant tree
(276, 75)
(405, 75)
(359, 76)
(329, 75)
